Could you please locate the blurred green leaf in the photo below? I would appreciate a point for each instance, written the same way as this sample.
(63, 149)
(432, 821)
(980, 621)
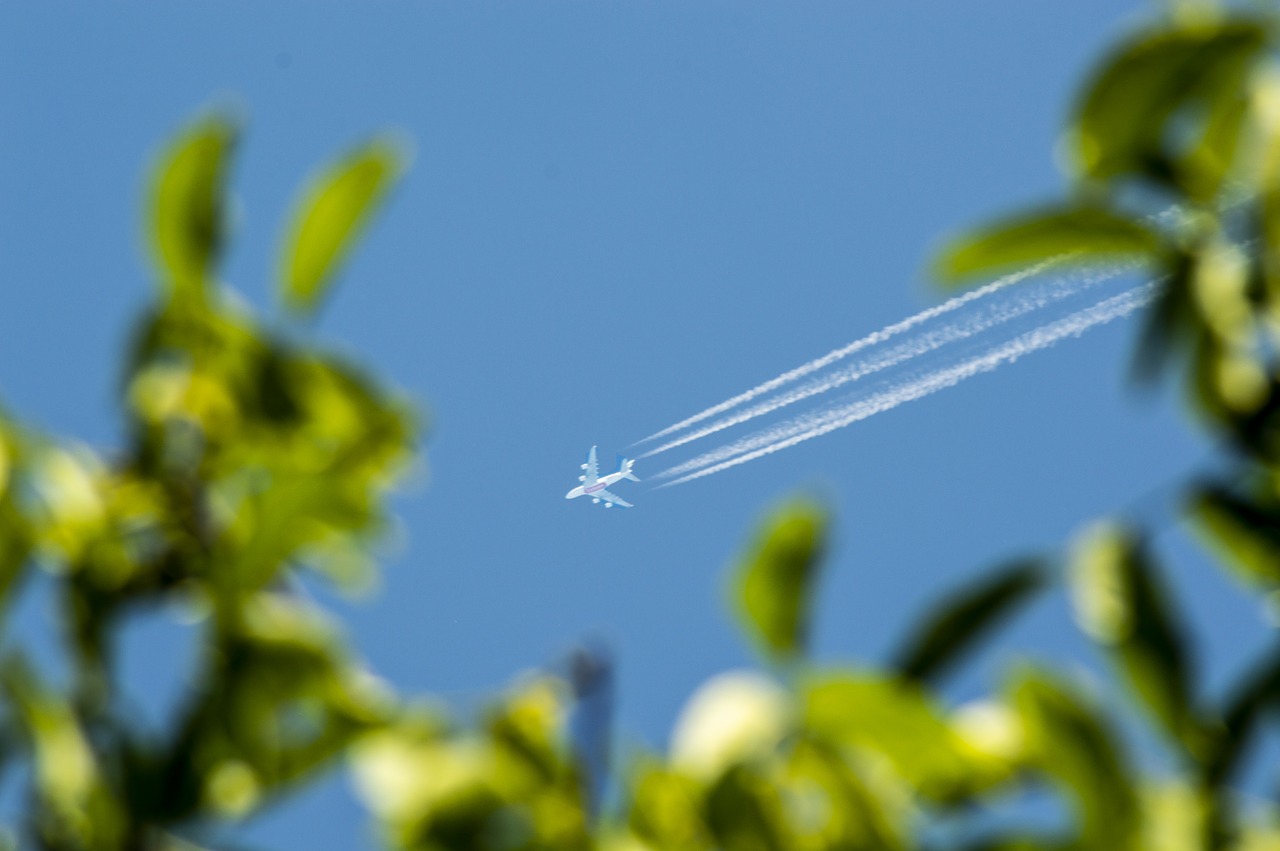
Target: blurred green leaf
(964, 618)
(1061, 235)
(1244, 533)
(743, 812)
(1070, 743)
(188, 204)
(897, 719)
(1123, 121)
(773, 584)
(331, 215)
(1120, 603)
(1255, 694)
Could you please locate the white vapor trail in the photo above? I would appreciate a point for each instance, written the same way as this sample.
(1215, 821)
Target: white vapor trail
(959, 329)
(857, 345)
(810, 426)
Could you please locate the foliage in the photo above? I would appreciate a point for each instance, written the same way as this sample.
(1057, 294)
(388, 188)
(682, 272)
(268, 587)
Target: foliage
(253, 456)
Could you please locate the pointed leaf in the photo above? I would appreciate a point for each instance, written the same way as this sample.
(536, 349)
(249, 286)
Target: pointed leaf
(331, 215)
(773, 584)
(1058, 235)
(1120, 603)
(964, 618)
(188, 204)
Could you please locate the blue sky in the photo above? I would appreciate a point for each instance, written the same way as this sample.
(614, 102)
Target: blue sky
(618, 214)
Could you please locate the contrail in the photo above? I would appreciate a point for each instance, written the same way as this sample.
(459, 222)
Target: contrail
(857, 345)
(814, 425)
(959, 329)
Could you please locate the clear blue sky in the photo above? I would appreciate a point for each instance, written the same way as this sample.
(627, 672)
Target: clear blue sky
(619, 213)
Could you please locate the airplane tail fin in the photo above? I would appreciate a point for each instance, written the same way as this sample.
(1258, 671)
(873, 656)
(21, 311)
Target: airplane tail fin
(624, 467)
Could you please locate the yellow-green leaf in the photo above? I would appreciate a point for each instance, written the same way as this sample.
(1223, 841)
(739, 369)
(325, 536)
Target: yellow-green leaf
(1071, 744)
(1124, 116)
(1056, 236)
(1121, 603)
(188, 203)
(331, 215)
(774, 582)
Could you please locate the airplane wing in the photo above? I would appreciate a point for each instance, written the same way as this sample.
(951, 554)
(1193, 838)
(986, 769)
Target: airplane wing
(591, 469)
(613, 498)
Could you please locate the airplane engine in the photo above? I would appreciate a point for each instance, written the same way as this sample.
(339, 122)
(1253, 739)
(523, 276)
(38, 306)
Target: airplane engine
(582, 478)
(595, 502)
(608, 505)
(582, 466)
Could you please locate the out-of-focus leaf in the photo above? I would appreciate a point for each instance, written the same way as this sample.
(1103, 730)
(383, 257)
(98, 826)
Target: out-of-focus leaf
(1057, 235)
(1120, 603)
(828, 805)
(773, 584)
(964, 618)
(896, 719)
(743, 812)
(188, 204)
(665, 808)
(331, 215)
(1122, 123)
(1254, 695)
(1244, 533)
(1068, 741)
(733, 718)
(1203, 169)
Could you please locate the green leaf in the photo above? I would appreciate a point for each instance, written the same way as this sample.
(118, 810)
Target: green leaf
(1256, 693)
(897, 719)
(1054, 235)
(774, 582)
(1120, 603)
(1123, 122)
(331, 215)
(964, 618)
(188, 204)
(1069, 742)
(1246, 534)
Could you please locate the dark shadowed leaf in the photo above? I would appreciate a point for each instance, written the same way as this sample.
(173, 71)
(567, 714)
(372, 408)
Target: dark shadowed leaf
(743, 812)
(1059, 235)
(773, 584)
(331, 215)
(1120, 603)
(964, 618)
(1245, 533)
(1068, 741)
(1253, 696)
(1122, 123)
(188, 203)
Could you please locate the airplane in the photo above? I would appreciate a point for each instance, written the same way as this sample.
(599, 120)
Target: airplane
(593, 484)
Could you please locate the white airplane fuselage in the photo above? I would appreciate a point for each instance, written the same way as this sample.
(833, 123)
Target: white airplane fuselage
(601, 483)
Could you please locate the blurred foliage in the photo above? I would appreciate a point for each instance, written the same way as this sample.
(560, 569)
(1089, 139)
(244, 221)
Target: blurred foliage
(253, 458)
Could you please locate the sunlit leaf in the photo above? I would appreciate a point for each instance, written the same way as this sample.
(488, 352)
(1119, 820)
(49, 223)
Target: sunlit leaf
(897, 719)
(1069, 742)
(1057, 235)
(733, 718)
(1120, 603)
(1122, 123)
(773, 584)
(188, 204)
(331, 215)
(964, 618)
